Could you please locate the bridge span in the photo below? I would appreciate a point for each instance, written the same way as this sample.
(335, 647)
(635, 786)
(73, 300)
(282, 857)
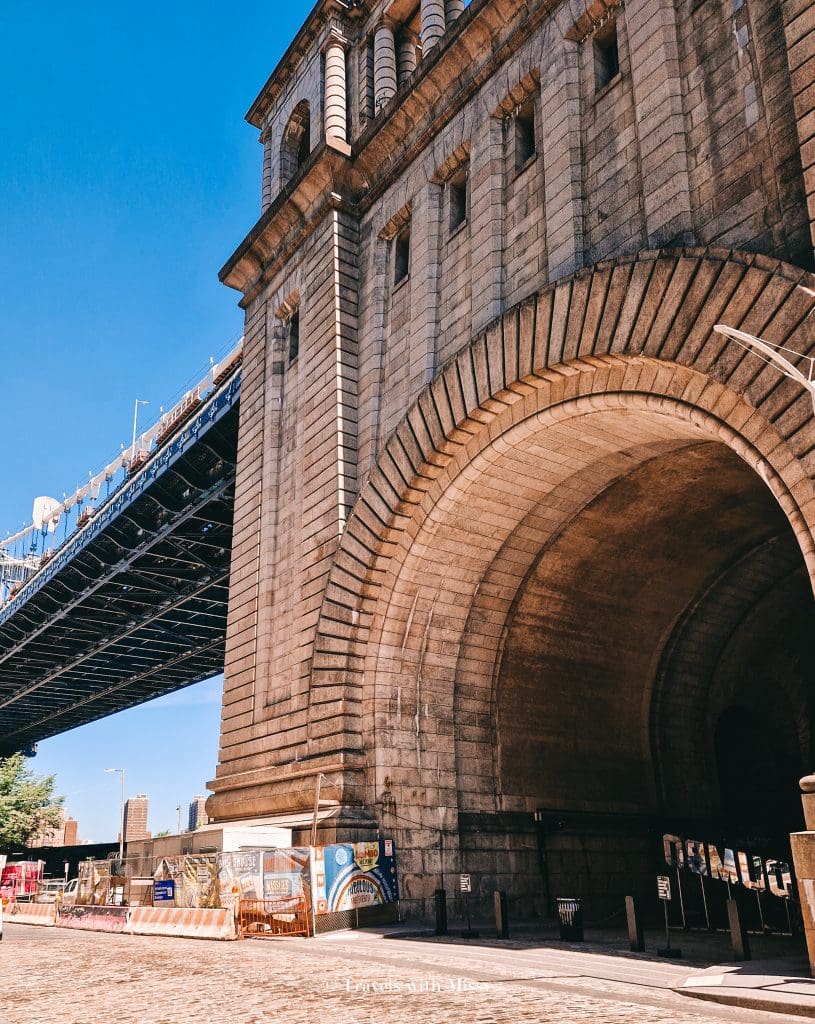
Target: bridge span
(132, 604)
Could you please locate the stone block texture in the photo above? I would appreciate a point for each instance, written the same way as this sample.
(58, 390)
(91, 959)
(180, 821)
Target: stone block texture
(507, 516)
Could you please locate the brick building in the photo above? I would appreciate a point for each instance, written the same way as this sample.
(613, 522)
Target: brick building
(135, 818)
(522, 546)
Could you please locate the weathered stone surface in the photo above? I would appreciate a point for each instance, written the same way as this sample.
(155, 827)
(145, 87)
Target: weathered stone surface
(494, 514)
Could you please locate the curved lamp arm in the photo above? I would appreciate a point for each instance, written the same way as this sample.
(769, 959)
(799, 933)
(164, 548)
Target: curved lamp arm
(783, 365)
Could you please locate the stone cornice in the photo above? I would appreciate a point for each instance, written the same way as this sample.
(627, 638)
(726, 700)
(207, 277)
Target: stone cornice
(320, 185)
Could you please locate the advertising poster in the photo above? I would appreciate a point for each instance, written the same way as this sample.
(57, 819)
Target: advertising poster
(353, 875)
(199, 882)
(195, 876)
(286, 875)
(240, 876)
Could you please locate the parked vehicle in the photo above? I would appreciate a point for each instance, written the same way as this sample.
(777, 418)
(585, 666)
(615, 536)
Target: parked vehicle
(69, 892)
(53, 890)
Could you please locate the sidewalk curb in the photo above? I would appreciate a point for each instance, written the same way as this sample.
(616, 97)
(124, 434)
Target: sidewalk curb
(742, 1000)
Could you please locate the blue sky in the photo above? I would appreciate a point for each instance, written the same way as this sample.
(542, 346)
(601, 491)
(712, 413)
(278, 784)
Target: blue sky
(127, 177)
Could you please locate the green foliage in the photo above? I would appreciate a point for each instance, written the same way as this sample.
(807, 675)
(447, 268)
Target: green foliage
(164, 832)
(28, 806)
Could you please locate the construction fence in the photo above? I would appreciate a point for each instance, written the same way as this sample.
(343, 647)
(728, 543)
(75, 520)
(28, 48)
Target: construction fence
(292, 891)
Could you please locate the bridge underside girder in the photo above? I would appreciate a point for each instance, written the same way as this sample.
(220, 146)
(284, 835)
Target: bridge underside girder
(139, 608)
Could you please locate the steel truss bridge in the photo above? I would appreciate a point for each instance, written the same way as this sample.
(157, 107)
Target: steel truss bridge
(133, 604)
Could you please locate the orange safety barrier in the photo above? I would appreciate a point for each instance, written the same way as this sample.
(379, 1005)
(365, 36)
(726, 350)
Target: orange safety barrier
(184, 922)
(267, 918)
(31, 913)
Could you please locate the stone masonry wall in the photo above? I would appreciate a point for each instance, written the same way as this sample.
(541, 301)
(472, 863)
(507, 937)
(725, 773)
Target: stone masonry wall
(704, 136)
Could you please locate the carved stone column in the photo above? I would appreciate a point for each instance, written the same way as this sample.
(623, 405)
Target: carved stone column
(384, 65)
(406, 54)
(336, 94)
(453, 9)
(433, 24)
(266, 192)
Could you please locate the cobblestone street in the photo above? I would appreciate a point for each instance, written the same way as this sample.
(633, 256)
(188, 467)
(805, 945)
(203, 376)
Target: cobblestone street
(50, 976)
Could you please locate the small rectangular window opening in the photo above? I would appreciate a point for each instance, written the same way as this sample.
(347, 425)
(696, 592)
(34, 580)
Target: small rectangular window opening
(294, 335)
(606, 55)
(524, 135)
(457, 192)
(401, 255)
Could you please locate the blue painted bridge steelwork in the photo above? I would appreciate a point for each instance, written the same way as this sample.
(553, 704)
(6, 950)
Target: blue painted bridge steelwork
(133, 605)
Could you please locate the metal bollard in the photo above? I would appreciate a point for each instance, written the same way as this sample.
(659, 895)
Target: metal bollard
(636, 939)
(440, 900)
(499, 900)
(738, 934)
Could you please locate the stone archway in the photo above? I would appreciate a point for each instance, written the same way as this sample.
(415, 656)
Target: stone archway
(295, 146)
(471, 553)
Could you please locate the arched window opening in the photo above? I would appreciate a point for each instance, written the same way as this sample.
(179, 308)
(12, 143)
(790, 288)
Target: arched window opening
(296, 146)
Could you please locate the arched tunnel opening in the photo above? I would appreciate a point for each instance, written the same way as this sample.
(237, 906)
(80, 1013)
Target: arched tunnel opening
(596, 633)
(655, 677)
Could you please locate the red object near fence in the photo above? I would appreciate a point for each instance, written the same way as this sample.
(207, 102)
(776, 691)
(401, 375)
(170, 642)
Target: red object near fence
(21, 879)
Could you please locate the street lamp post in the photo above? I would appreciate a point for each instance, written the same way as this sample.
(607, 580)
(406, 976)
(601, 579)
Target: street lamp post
(139, 401)
(121, 772)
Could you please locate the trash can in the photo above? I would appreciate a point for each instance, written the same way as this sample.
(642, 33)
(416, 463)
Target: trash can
(570, 916)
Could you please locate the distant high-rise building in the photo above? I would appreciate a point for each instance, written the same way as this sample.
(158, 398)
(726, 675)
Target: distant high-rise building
(135, 823)
(198, 814)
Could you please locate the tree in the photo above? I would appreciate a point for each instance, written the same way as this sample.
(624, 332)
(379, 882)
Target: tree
(28, 807)
(161, 835)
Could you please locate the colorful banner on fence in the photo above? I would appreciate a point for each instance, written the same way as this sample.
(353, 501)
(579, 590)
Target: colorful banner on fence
(286, 876)
(195, 876)
(240, 876)
(354, 875)
(199, 882)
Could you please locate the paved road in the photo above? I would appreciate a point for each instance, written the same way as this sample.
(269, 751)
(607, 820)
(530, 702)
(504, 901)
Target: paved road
(55, 976)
